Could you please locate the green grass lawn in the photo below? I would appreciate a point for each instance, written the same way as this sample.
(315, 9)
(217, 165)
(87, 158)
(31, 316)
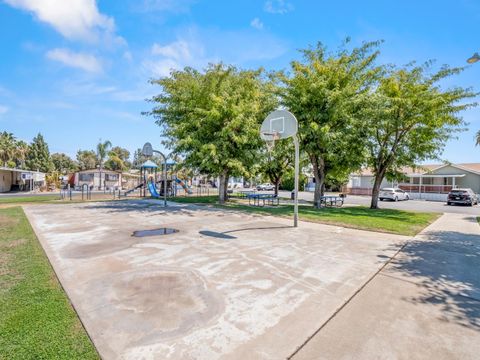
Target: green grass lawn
(28, 199)
(358, 217)
(36, 318)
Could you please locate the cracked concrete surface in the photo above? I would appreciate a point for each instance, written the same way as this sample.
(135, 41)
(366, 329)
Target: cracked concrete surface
(257, 293)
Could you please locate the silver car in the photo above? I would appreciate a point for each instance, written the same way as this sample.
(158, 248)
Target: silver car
(394, 194)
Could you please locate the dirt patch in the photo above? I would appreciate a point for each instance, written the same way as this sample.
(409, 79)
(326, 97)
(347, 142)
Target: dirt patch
(175, 301)
(15, 243)
(8, 221)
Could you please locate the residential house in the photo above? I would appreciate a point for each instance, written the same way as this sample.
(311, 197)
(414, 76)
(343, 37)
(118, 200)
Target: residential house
(429, 182)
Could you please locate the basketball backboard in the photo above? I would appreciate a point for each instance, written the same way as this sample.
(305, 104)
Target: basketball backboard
(282, 123)
(147, 150)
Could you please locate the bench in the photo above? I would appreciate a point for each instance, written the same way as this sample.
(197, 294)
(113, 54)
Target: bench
(262, 199)
(331, 201)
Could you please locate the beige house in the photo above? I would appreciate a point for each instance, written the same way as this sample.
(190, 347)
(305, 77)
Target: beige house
(20, 180)
(96, 179)
(429, 182)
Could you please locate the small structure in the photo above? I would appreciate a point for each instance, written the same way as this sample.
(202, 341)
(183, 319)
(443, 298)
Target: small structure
(427, 182)
(20, 179)
(97, 179)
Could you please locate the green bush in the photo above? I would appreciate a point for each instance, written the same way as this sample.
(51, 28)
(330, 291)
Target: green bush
(288, 181)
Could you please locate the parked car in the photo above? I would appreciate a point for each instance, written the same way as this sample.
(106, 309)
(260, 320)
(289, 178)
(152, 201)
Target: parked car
(266, 186)
(462, 196)
(394, 194)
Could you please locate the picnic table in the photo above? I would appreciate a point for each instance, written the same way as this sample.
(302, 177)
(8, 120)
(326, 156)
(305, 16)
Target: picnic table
(332, 200)
(262, 199)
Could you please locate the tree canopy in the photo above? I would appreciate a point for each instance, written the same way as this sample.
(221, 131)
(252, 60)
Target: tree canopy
(411, 118)
(326, 92)
(63, 163)
(212, 118)
(38, 156)
(87, 159)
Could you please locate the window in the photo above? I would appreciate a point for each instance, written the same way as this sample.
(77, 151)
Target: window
(111, 177)
(85, 177)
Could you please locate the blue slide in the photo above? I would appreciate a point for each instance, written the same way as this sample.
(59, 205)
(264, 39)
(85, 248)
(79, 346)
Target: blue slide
(153, 189)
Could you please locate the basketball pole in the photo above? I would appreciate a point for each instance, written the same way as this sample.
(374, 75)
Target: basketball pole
(297, 169)
(164, 177)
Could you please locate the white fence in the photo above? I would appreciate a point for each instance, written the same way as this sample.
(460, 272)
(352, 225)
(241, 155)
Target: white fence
(428, 196)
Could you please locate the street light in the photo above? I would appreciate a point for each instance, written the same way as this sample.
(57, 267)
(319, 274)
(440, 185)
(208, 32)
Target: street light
(474, 58)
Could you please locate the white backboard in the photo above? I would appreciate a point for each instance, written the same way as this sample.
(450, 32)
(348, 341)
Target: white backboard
(280, 122)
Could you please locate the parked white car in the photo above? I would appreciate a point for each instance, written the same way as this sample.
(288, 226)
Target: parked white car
(394, 194)
(266, 186)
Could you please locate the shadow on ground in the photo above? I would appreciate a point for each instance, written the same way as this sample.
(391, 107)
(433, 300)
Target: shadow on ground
(446, 266)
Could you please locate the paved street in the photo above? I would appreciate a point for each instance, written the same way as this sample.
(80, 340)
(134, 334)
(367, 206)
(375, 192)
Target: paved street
(415, 205)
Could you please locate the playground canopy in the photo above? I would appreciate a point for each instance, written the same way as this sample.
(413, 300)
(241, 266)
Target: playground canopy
(149, 165)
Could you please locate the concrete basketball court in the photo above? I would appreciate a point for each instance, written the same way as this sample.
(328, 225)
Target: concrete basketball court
(228, 285)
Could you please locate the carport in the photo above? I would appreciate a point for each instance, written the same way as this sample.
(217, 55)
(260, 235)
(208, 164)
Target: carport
(431, 186)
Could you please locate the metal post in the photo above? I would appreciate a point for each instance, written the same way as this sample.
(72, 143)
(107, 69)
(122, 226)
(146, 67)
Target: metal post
(297, 170)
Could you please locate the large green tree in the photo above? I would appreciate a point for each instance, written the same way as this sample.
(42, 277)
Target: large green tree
(326, 92)
(63, 163)
(118, 159)
(411, 118)
(212, 118)
(86, 159)
(274, 164)
(38, 156)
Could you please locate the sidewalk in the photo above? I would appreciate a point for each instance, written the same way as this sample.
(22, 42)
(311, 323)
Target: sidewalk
(425, 304)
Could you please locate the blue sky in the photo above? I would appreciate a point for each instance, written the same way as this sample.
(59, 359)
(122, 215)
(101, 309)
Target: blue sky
(78, 70)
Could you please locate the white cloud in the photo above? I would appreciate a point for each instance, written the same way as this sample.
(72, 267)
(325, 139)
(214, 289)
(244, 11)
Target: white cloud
(82, 61)
(278, 6)
(3, 109)
(173, 6)
(178, 50)
(74, 19)
(127, 55)
(175, 56)
(256, 23)
(197, 47)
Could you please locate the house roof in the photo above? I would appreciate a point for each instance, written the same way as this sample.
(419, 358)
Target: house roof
(427, 168)
(104, 171)
(19, 170)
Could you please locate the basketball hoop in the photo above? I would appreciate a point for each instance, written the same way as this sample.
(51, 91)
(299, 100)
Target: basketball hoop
(282, 124)
(270, 138)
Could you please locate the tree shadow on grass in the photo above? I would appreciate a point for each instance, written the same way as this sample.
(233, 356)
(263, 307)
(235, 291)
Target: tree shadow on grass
(446, 266)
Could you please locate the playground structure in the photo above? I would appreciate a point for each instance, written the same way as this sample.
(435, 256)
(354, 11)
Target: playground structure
(153, 181)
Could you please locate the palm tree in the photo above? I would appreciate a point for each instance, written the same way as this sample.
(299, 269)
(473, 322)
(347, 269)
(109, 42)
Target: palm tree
(102, 152)
(477, 138)
(21, 153)
(7, 147)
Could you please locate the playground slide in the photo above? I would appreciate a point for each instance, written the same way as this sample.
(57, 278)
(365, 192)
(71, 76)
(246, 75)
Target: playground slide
(153, 189)
(184, 186)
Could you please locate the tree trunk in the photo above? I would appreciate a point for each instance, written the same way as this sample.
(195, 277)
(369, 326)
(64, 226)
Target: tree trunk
(319, 174)
(277, 185)
(222, 187)
(380, 174)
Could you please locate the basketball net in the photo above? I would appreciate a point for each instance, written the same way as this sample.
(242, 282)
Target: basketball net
(270, 138)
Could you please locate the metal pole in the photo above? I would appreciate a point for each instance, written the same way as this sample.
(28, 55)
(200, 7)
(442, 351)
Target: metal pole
(165, 182)
(297, 170)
